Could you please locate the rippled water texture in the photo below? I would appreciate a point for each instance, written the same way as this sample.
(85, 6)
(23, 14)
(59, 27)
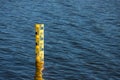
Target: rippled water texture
(82, 39)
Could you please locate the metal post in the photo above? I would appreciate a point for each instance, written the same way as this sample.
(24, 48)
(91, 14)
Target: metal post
(39, 34)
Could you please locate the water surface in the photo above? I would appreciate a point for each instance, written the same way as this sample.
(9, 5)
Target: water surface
(82, 39)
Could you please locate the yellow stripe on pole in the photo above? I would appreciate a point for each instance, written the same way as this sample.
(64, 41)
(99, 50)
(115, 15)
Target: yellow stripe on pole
(39, 28)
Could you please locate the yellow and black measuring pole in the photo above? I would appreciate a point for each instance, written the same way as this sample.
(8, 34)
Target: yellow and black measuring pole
(39, 34)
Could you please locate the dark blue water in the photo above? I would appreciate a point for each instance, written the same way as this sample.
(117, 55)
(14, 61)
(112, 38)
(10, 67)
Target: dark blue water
(82, 39)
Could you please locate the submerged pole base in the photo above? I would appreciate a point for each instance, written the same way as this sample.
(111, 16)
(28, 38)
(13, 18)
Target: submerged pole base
(39, 69)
